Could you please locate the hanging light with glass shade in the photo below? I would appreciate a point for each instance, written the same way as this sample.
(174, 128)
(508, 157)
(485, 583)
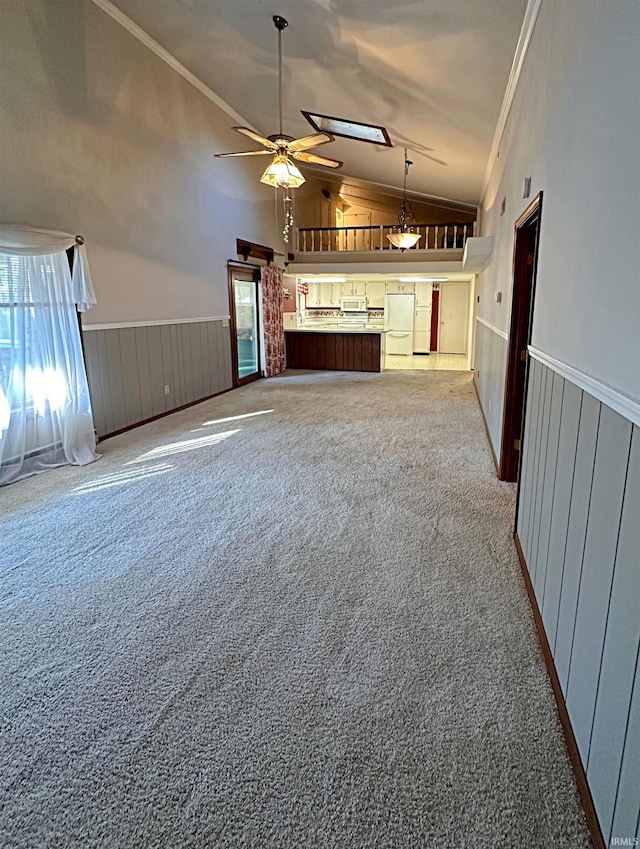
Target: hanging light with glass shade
(403, 235)
(282, 173)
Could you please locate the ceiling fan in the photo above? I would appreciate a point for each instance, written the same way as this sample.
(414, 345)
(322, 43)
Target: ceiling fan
(282, 171)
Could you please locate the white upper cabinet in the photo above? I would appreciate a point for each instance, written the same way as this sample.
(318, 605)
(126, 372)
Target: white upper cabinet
(330, 294)
(376, 290)
(312, 298)
(354, 287)
(394, 287)
(423, 294)
(324, 295)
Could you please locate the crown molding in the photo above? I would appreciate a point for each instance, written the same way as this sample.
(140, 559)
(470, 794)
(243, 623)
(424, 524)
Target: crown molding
(171, 60)
(528, 25)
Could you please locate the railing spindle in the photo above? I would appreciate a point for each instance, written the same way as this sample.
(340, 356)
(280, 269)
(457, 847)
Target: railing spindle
(371, 237)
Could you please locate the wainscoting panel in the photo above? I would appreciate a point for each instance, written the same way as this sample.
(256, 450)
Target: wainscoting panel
(619, 658)
(532, 422)
(129, 367)
(627, 803)
(605, 510)
(548, 483)
(579, 529)
(563, 485)
(576, 534)
(490, 367)
(539, 458)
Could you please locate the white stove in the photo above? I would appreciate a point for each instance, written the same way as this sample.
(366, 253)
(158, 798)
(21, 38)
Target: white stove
(353, 319)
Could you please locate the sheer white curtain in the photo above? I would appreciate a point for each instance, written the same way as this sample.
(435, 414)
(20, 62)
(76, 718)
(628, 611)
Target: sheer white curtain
(45, 410)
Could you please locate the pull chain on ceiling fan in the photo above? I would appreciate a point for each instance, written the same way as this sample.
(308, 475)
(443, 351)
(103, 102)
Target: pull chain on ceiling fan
(282, 171)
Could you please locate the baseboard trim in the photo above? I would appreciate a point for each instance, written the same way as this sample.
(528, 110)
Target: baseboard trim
(161, 415)
(486, 427)
(570, 740)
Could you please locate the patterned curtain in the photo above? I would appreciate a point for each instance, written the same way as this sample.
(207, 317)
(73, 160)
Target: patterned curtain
(272, 319)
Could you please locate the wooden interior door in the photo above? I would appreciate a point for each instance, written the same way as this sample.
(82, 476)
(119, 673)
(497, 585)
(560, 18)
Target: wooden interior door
(454, 318)
(525, 261)
(358, 239)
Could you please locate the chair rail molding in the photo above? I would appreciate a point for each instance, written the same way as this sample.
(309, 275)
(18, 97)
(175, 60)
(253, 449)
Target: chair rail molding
(618, 401)
(495, 329)
(156, 322)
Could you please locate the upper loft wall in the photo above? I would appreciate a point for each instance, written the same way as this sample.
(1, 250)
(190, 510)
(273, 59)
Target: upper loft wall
(573, 128)
(317, 199)
(100, 136)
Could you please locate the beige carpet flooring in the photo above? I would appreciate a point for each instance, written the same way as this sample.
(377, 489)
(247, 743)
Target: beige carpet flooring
(290, 616)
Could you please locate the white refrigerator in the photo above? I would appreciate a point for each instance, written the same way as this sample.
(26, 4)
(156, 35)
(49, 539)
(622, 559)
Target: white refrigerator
(398, 322)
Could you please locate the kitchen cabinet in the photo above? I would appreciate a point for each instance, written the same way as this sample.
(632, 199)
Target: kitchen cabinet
(354, 287)
(323, 295)
(312, 298)
(423, 294)
(422, 330)
(376, 290)
(394, 287)
(330, 294)
(340, 350)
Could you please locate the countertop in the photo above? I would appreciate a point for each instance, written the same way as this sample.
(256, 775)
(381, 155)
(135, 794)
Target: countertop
(375, 330)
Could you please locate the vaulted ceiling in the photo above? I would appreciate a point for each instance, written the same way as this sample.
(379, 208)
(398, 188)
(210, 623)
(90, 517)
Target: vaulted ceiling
(433, 72)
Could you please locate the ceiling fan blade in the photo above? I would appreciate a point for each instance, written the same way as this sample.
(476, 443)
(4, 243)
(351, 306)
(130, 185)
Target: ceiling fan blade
(256, 137)
(245, 153)
(310, 141)
(316, 160)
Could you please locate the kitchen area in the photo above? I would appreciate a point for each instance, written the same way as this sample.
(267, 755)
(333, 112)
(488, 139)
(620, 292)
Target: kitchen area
(378, 322)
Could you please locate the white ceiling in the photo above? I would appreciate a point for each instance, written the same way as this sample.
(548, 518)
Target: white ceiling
(434, 72)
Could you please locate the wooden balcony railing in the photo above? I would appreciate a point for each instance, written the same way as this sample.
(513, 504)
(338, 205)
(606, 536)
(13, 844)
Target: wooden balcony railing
(435, 237)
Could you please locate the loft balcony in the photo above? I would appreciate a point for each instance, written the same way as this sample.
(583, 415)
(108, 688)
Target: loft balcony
(439, 243)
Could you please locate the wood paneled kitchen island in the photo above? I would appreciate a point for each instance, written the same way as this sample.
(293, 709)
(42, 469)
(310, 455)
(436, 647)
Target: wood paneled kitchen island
(335, 349)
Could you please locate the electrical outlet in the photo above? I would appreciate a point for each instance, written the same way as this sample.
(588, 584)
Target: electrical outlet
(167, 390)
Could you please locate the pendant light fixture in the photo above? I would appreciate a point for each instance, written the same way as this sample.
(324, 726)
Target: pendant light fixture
(403, 236)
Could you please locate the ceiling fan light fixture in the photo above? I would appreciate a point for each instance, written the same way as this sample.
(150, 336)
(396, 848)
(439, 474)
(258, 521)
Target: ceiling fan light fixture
(282, 173)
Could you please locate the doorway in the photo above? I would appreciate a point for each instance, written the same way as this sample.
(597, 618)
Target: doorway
(357, 236)
(244, 308)
(525, 261)
(435, 320)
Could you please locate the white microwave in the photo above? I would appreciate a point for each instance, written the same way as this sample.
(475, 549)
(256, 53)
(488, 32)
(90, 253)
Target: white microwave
(353, 304)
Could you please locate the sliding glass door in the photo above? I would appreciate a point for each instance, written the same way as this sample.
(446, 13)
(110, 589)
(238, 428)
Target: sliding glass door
(245, 324)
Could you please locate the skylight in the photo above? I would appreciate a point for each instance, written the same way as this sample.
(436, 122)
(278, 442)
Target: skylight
(348, 129)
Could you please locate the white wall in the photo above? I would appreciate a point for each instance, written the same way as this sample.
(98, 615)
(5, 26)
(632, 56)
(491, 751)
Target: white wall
(574, 128)
(99, 136)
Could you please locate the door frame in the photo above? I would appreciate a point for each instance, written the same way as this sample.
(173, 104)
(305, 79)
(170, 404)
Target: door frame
(526, 242)
(251, 274)
(434, 336)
